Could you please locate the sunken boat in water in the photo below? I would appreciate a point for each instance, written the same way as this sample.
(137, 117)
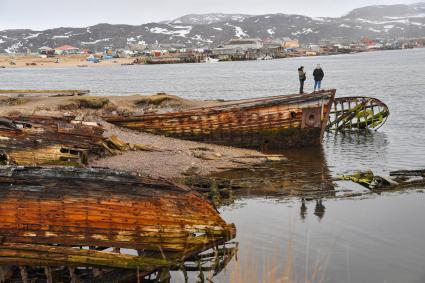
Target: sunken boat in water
(357, 113)
(275, 122)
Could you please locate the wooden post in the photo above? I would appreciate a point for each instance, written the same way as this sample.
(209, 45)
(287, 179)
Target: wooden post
(48, 272)
(24, 274)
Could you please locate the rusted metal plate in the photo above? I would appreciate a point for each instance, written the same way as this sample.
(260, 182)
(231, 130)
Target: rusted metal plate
(311, 118)
(357, 113)
(270, 122)
(100, 207)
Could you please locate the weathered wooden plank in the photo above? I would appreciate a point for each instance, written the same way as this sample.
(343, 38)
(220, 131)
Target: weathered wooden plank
(38, 140)
(42, 92)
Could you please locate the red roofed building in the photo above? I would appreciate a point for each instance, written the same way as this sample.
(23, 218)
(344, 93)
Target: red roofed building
(67, 49)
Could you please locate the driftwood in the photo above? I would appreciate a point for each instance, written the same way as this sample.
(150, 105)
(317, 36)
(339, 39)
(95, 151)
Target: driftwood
(48, 92)
(397, 180)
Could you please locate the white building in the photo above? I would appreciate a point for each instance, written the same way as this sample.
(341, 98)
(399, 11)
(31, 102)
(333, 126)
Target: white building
(244, 44)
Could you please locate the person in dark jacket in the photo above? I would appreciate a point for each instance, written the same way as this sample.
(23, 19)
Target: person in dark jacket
(302, 77)
(318, 75)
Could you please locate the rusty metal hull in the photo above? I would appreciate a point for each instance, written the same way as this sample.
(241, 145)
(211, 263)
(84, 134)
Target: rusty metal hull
(265, 123)
(100, 207)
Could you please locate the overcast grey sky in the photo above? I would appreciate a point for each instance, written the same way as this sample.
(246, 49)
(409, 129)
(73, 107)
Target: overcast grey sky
(42, 14)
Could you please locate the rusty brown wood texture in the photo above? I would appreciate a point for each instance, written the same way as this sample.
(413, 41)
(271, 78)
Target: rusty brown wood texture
(100, 207)
(38, 140)
(263, 123)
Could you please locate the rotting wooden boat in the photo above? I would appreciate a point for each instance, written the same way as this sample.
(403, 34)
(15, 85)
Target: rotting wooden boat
(100, 207)
(45, 92)
(357, 113)
(39, 140)
(275, 122)
(63, 218)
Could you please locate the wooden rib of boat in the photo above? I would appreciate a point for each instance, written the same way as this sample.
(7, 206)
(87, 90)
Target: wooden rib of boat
(357, 113)
(100, 207)
(44, 92)
(38, 140)
(62, 263)
(264, 123)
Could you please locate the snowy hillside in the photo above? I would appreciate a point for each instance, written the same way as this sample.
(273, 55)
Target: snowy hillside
(210, 30)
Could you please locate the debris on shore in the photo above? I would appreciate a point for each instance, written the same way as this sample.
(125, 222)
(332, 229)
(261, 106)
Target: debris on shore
(38, 93)
(133, 151)
(395, 181)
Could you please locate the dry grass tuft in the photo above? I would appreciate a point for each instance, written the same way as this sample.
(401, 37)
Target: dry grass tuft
(85, 103)
(158, 100)
(12, 101)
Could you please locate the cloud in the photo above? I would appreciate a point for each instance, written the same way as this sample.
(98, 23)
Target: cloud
(44, 14)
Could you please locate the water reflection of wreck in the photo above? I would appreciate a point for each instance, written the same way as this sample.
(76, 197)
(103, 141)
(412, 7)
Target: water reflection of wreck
(130, 226)
(304, 173)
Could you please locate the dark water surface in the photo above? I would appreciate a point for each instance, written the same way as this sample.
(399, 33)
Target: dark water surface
(380, 238)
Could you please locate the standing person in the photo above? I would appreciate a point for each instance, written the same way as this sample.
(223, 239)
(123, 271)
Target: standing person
(302, 77)
(318, 75)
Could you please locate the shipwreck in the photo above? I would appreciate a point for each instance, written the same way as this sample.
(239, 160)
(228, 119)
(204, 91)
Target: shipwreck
(40, 140)
(275, 122)
(48, 216)
(357, 113)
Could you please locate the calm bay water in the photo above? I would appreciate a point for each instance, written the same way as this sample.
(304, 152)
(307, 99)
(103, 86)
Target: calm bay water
(377, 239)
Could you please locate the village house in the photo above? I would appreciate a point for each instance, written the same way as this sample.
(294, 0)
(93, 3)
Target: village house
(67, 49)
(239, 49)
(288, 43)
(47, 51)
(273, 48)
(245, 44)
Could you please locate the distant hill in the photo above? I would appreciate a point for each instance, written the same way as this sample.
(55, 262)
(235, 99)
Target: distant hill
(210, 30)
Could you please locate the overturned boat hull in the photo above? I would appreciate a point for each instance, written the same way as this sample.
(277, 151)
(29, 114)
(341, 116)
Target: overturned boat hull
(264, 123)
(100, 207)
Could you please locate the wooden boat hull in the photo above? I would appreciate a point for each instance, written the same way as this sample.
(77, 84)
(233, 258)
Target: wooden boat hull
(100, 207)
(265, 123)
(38, 140)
